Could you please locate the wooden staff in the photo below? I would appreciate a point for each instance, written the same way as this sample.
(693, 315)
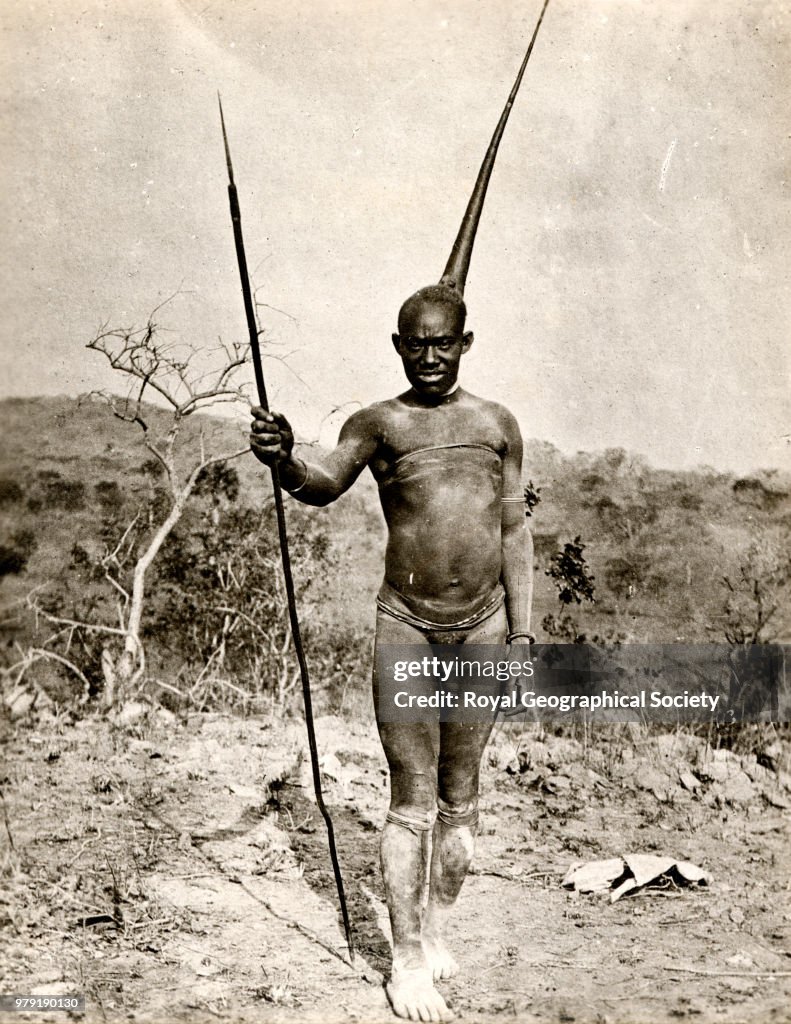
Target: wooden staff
(252, 327)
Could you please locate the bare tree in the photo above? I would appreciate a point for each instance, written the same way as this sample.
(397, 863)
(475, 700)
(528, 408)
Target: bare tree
(174, 375)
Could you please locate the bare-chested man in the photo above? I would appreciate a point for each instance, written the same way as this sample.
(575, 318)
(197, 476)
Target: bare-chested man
(458, 569)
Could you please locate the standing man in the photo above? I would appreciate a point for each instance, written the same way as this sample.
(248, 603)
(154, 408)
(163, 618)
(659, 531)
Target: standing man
(458, 569)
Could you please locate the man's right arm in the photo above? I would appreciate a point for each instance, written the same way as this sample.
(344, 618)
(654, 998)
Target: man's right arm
(315, 480)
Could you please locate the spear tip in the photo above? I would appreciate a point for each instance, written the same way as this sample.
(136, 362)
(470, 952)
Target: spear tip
(225, 140)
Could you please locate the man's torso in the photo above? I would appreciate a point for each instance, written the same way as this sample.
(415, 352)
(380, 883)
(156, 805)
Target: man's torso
(439, 471)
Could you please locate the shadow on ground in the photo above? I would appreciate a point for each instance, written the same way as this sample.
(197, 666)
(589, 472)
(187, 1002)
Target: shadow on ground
(357, 840)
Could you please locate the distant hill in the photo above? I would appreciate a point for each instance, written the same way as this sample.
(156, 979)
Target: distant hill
(658, 542)
(63, 460)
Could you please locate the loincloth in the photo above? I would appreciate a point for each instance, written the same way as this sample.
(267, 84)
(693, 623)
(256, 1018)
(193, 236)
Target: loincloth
(391, 603)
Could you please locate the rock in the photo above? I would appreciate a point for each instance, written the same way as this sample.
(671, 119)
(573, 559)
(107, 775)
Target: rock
(130, 713)
(340, 773)
(331, 767)
(623, 889)
(650, 779)
(55, 988)
(773, 757)
(775, 799)
(267, 836)
(646, 867)
(715, 771)
(595, 876)
(691, 872)
(557, 783)
(634, 870)
(689, 781)
(595, 778)
(756, 772)
(19, 703)
(738, 789)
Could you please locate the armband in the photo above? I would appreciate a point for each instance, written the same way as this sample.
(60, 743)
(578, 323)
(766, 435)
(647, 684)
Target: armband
(298, 488)
(530, 637)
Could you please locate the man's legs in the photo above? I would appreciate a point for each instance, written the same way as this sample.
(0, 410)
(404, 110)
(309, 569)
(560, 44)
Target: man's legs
(422, 756)
(412, 751)
(453, 841)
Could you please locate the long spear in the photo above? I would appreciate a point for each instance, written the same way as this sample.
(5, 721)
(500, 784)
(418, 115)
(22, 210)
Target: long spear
(252, 328)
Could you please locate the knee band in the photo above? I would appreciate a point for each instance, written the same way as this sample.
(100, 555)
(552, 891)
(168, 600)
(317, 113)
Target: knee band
(461, 815)
(415, 821)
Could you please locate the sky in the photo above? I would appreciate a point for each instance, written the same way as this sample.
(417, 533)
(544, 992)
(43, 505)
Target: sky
(630, 280)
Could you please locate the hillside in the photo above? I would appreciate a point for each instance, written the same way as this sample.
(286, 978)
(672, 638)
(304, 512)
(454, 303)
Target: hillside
(64, 461)
(657, 543)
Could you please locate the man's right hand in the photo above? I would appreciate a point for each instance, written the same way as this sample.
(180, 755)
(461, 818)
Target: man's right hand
(271, 437)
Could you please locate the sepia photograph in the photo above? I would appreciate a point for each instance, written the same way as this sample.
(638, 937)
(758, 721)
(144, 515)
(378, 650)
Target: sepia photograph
(395, 511)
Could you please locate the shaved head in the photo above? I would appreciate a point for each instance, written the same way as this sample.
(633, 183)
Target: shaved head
(434, 295)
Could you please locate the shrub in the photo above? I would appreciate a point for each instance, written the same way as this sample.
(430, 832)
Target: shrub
(152, 468)
(220, 603)
(218, 480)
(66, 494)
(532, 497)
(624, 575)
(691, 502)
(12, 560)
(108, 494)
(570, 573)
(10, 492)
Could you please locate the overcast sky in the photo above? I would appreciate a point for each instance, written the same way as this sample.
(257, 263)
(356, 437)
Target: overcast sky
(630, 281)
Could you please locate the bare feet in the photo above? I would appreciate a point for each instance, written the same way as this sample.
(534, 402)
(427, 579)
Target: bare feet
(412, 995)
(440, 959)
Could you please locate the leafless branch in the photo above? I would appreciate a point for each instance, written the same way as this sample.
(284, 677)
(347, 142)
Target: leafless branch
(113, 555)
(59, 620)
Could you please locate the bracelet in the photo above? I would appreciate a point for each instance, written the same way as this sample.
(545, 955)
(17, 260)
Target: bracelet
(530, 637)
(298, 488)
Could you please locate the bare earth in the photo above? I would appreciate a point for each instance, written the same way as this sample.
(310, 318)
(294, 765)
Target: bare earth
(178, 870)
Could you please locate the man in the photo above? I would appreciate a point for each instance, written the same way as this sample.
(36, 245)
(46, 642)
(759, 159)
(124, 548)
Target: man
(458, 569)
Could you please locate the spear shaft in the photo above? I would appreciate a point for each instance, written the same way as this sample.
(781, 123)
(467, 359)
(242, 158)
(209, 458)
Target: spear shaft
(252, 326)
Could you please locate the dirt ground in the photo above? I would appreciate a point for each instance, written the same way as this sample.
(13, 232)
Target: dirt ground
(177, 870)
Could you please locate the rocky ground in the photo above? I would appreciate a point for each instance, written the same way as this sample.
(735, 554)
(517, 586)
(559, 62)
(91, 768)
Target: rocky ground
(177, 869)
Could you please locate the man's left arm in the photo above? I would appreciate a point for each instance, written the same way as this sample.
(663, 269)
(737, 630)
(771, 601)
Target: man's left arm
(517, 540)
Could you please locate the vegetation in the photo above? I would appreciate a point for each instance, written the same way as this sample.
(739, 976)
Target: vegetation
(624, 552)
(213, 622)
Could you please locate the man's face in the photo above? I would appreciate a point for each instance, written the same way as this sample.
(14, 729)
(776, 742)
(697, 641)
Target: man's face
(431, 345)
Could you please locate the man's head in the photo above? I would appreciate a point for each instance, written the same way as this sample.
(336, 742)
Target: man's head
(431, 339)
(438, 312)
(435, 295)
